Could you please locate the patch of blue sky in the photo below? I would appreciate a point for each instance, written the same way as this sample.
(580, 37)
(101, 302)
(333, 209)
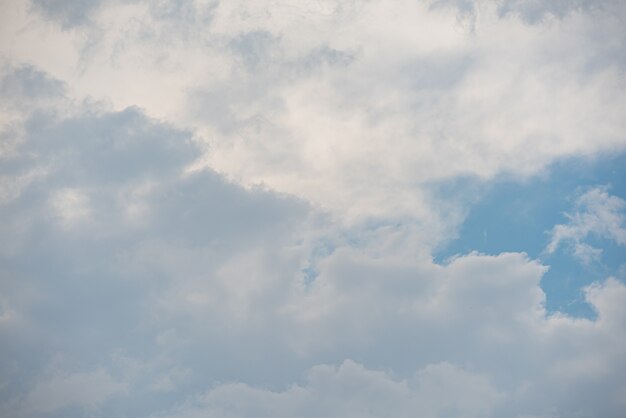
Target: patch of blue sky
(514, 216)
(322, 248)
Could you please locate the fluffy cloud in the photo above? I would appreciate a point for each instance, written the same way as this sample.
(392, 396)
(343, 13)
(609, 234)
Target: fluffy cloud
(230, 208)
(131, 283)
(112, 212)
(350, 390)
(353, 104)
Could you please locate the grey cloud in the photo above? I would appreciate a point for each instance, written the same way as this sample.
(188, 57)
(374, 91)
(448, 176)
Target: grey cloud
(89, 246)
(195, 308)
(351, 390)
(67, 13)
(262, 50)
(181, 293)
(27, 83)
(532, 11)
(109, 148)
(325, 54)
(183, 10)
(70, 14)
(144, 291)
(253, 47)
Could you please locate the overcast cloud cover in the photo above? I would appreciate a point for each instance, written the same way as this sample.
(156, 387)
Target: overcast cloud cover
(250, 208)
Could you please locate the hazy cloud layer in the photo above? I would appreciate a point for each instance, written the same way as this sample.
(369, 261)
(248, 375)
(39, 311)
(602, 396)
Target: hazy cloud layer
(230, 209)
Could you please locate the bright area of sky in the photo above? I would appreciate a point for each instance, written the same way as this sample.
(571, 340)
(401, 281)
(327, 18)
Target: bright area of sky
(325, 208)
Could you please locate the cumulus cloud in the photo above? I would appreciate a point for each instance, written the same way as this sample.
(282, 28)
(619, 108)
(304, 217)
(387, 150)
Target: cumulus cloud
(597, 213)
(353, 104)
(443, 389)
(169, 292)
(114, 211)
(227, 208)
(350, 390)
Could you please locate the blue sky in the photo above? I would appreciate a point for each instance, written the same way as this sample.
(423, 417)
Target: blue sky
(519, 216)
(312, 209)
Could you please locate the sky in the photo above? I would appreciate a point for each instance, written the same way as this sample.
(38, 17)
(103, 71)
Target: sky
(279, 208)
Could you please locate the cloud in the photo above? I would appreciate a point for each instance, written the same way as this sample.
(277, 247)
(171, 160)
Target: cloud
(354, 106)
(230, 209)
(443, 389)
(597, 213)
(351, 390)
(112, 230)
(88, 389)
(68, 14)
(167, 291)
(532, 11)
(27, 82)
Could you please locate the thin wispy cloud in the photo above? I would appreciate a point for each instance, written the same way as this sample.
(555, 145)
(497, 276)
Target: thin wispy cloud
(598, 214)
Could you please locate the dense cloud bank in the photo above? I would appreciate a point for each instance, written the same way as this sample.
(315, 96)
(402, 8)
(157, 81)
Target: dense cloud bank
(213, 209)
(318, 99)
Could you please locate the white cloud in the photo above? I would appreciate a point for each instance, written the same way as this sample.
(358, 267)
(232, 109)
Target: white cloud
(204, 305)
(178, 292)
(597, 213)
(565, 365)
(354, 106)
